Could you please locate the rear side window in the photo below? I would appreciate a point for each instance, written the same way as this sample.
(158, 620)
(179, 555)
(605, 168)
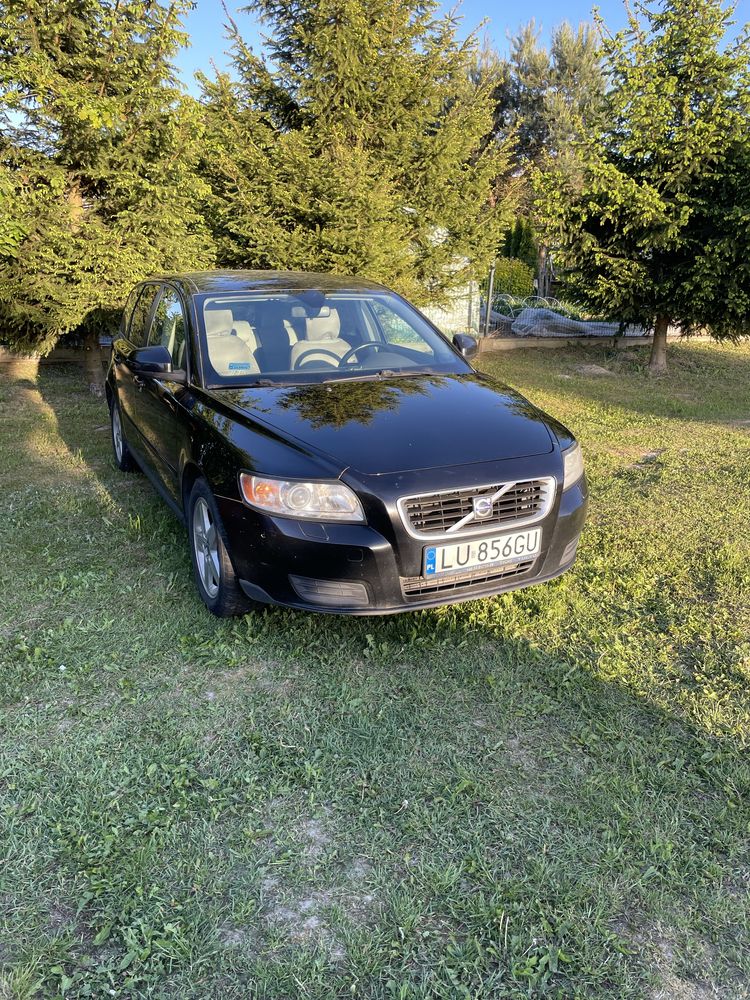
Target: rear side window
(138, 330)
(127, 312)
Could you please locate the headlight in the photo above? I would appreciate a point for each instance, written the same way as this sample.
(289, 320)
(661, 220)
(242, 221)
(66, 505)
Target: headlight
(332, 501)
(573, 464)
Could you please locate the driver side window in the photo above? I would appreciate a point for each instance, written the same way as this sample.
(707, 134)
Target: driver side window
(168, 327)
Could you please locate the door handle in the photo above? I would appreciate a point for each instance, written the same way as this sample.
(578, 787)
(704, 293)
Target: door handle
(138, 381)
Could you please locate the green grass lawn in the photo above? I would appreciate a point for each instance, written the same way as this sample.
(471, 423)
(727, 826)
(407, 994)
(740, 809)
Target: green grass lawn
(540, 795)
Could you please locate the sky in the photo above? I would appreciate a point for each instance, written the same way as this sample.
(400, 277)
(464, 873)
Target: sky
(205, 25)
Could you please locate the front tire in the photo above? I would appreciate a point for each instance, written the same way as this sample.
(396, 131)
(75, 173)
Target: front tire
(215, 578)
(122, 454)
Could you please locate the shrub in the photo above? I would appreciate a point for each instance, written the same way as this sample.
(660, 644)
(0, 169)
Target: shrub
(513, 277)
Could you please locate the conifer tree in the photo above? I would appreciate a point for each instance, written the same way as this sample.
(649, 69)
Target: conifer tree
(519, 242)
(654, 228)
(548, 94)
(97, 161)
(544, 99)
(574, 98)
(356, 145)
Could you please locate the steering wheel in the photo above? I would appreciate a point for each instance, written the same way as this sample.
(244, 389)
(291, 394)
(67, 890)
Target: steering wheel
(373, 345)
(317, 350)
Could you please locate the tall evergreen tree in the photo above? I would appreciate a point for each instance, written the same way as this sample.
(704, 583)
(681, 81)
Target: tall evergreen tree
(543, 100)
(519, 242)
(97, 161)
(548, 94)
(654, 229)
(356, 146)
(574, 98)
(525, 107)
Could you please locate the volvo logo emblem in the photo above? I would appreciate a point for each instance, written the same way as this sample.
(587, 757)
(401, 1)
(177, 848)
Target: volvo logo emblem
(482, 506)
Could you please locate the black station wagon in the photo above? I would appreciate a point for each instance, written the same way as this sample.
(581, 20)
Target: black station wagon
(329, 449)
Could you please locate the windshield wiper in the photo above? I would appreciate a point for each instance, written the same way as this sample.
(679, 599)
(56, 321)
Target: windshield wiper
(267, 383)
(384, 373)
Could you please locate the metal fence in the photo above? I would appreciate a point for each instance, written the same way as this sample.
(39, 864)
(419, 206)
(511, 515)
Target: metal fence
(465, 311)
(460, 313)
(535, 316)
(539, 316)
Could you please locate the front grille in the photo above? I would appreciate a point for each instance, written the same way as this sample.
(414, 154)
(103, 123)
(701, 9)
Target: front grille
(422, 586)
(433, 514)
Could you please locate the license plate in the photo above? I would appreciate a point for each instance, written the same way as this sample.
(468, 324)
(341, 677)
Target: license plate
(516, 547)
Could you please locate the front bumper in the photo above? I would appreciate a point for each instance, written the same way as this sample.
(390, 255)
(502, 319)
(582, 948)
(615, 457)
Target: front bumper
(380, 557)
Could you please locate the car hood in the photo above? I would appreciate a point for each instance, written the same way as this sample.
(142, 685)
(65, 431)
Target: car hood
(385, 426)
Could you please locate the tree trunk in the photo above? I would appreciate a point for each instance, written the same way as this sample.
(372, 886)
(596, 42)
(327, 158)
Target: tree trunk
(92, 365)
(658, 363)
(542, 268)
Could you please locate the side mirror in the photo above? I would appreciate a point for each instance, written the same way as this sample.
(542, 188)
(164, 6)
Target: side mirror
(156, 362)
(466, 345)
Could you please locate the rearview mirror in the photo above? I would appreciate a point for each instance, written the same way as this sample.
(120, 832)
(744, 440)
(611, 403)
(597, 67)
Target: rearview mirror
(467, 345)
(155, 361)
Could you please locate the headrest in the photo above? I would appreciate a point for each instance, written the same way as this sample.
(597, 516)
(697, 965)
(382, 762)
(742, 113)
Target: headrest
(325, 326)
(244, 331)
(217, 321)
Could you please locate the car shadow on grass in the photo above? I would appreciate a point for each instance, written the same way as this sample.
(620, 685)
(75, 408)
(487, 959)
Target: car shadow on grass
(517, 780)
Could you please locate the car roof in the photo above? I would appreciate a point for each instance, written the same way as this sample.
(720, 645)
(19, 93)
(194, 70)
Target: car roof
(200, 282)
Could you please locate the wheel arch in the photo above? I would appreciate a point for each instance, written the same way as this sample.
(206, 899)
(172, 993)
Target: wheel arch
(191, 472)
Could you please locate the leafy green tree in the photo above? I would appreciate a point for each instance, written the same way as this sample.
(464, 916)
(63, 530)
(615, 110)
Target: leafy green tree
(11, 216)
(653, 228)
(98, 150)
(357, 146)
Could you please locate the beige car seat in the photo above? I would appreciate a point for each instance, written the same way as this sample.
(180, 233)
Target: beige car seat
(290, 332)
(242, 329)
(322, 346)
(228, 353)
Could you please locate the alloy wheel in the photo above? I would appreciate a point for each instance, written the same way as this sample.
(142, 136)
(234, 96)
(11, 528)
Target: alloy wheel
(206, 545)
(117, 432)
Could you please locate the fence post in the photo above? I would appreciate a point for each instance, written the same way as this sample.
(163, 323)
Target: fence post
(488, 303)
(543, 273)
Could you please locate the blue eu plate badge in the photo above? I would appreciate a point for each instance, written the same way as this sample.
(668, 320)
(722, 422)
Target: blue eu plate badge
(430, 557)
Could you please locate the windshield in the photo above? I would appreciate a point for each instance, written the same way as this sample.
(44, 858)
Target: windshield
(311, 336)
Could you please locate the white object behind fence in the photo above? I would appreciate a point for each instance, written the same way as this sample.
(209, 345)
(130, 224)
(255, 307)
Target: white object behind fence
(547, 323)
(540, 317)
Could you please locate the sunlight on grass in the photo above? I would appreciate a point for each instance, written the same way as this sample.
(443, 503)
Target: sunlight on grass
(542, 794)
